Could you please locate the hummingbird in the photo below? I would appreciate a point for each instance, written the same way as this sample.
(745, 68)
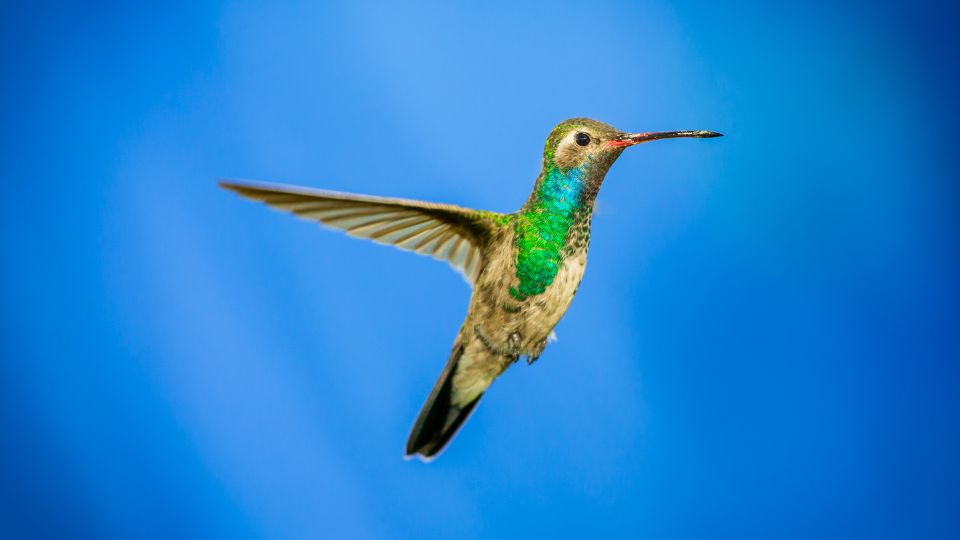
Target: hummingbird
(524, 267)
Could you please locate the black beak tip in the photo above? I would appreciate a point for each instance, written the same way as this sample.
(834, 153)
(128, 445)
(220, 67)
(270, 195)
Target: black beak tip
(709, 134)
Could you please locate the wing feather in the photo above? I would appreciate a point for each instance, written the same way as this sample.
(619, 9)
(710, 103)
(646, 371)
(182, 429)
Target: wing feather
(447, 232)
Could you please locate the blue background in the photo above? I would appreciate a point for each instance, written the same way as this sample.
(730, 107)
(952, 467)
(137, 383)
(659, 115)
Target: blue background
(765, 344)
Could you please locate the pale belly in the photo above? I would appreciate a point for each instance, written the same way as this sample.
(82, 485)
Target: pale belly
(522, 327)
(545, 310)
(499, 329)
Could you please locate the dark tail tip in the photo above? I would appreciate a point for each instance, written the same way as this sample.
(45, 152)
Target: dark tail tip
(431, 440)
(440, 419)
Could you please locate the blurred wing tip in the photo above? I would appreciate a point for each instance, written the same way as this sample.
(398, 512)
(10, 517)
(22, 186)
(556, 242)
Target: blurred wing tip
(245, 189)
(234, 184)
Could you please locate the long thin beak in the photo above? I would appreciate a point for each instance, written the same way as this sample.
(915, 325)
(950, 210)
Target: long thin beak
(630, 139)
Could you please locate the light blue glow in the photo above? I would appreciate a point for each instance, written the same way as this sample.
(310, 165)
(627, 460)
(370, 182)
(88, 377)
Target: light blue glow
(764, 345)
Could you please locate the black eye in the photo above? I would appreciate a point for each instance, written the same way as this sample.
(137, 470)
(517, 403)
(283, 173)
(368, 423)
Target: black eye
(582, 139)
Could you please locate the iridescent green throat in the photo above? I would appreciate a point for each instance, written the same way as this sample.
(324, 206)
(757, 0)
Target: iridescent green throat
(543, 226)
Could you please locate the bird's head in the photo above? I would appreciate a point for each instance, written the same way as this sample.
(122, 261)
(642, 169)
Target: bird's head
(592, 146)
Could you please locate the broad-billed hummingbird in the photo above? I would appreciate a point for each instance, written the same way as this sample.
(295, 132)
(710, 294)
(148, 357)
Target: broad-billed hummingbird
(524, 267)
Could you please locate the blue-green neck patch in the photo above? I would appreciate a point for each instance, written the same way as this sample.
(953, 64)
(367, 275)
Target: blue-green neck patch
(542, 228)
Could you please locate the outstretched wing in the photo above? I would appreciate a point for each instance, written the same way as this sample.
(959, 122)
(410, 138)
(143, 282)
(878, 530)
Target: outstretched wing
(444, 231)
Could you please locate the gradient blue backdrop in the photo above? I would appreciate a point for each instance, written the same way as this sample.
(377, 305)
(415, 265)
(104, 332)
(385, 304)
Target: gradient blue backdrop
(765, 344)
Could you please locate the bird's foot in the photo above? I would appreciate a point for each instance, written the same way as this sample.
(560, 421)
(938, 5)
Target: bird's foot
(513, 341)
(533, 355)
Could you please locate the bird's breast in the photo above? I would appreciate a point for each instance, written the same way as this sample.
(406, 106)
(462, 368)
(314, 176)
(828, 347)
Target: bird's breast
(522, 324)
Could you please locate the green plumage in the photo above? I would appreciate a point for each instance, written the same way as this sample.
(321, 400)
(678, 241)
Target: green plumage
(543, 227)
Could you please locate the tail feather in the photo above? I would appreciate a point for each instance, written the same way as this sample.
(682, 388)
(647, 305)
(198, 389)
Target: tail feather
(440, 418)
